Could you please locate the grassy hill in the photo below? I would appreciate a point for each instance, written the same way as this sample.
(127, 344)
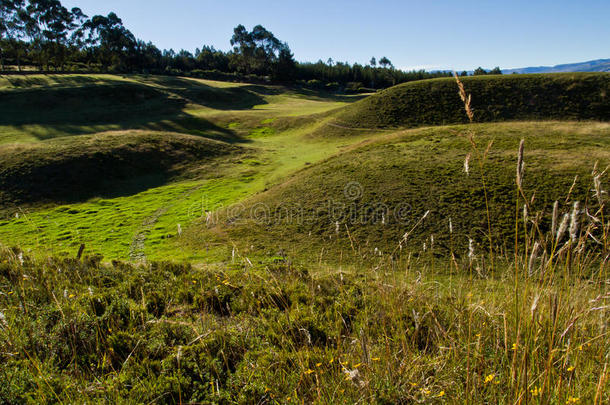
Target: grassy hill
(44, 107)
(72, 169)
(574, 96)
(367, 198)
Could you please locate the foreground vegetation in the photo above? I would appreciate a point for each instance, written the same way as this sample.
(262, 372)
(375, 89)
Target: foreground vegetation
(275, 332)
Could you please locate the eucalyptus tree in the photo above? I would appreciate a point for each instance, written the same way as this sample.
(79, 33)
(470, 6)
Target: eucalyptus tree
(11, 25)
(385, 63)
(108, 37)
(50, 26)
(258, 51)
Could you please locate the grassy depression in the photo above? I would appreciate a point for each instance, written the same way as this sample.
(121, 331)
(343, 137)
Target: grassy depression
(211, 145)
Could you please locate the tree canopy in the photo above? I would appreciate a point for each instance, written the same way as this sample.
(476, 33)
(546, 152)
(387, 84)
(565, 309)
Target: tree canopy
(45, 35)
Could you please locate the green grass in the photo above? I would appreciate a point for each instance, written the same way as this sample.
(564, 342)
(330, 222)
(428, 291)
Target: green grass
(109, 225)
(54, 163)
(573, 96)
(107, 164)
(398, 177)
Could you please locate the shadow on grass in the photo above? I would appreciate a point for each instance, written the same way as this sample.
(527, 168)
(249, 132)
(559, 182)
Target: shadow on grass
(71, 170)
(27, 81)
(235, 97)
(86, 106)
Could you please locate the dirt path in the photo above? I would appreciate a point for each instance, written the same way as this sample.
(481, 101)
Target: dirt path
(138, 243)
(136, 250)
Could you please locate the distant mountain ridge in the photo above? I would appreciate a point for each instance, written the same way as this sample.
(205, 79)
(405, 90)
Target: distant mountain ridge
(598, 65)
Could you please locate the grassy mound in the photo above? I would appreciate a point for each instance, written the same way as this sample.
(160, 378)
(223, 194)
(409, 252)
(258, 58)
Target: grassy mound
(113, 163)
(574, 96)
(367, 199)
(45, 107)
(84, 102)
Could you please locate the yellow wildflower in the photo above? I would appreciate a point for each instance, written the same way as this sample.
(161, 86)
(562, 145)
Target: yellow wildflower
(309, 371)
(318, 364)
(375, 359)
(440, 394)
(489, 378)
(535, 391)
(571, 368)
(573, 400)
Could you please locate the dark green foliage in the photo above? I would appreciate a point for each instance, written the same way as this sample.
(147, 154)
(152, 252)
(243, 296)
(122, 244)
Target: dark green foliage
(573, 96)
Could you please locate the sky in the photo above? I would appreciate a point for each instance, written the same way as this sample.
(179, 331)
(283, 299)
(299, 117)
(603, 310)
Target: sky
(424, 34)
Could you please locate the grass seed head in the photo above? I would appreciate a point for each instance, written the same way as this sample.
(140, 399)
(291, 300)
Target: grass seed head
(555, 218)
(574, 221)
(562, 227)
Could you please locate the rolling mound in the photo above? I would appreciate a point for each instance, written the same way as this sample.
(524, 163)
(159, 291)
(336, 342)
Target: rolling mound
(57, 105)
(574, 96)
(112, 163)
(85, 102)
(370, 196)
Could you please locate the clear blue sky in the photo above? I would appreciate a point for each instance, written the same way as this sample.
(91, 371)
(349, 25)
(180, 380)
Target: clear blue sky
(427, 34)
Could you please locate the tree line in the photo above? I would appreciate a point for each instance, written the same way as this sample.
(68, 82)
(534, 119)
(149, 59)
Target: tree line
(46, 36)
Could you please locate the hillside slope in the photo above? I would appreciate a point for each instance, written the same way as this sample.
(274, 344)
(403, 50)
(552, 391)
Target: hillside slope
(367, 199)
(76, 168)
(581, 96)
